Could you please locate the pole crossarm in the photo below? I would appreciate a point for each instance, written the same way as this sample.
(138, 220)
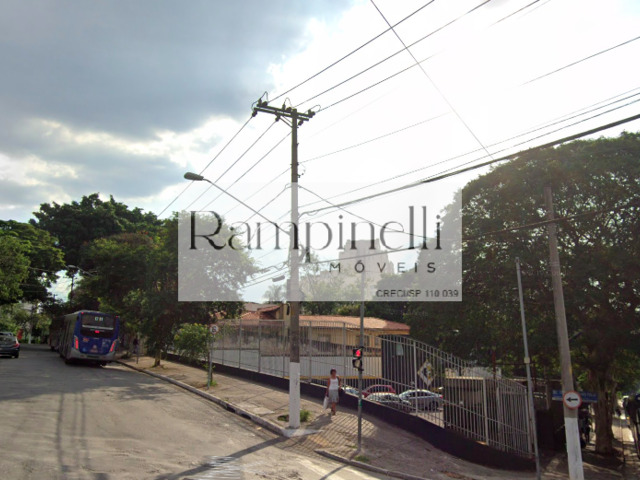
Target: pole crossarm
(284, 111)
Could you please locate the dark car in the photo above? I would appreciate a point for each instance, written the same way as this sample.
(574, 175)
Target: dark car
(9, 345)
(390, 400)
(422, 399)
(377, 389)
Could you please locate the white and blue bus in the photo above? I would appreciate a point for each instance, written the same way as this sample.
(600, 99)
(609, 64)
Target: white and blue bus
(89, 336)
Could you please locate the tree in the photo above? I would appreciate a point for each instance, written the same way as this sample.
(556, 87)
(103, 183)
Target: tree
(76, 224)
(192, 341)
(597, 193)
(14, 268)
(44, 259)
(156, 303)
(275, 294)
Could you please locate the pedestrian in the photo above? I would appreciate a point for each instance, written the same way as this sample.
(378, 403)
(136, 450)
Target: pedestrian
(135, 346)
(333, 390)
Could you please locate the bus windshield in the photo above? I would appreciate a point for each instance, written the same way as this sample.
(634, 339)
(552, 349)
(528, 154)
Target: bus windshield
(97, 325)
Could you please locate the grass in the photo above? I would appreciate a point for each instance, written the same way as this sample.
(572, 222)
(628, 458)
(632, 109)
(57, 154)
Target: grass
(362, 458)
(305, 416)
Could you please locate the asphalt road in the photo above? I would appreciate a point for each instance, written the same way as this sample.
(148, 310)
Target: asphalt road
(72, 422)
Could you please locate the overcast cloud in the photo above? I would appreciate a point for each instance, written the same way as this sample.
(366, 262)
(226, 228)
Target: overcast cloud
(128, 71)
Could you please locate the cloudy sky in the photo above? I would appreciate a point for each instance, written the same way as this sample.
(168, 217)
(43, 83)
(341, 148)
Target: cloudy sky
(122, 98)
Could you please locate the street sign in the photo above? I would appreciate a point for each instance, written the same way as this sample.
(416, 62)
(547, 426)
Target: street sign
(425, 372)
(213, 329)
(572, 400)
(587, 397)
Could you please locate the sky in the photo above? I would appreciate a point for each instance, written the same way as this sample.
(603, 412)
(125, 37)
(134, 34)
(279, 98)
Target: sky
(122, 98)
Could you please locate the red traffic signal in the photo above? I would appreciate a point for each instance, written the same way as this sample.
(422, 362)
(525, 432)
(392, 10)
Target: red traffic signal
(356, 361)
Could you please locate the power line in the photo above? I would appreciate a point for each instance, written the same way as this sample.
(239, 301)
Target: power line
(553, 122)
(581, 60)
(252, 167)
(231, 166)
(442, 176)
(352, 52)
(442, 95)
(207, 166)
(388, 134)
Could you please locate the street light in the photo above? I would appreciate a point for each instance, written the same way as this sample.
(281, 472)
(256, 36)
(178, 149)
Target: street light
(199, 178)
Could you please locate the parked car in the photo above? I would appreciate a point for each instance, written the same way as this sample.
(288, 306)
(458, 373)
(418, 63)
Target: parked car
(350, 390)
(390, 400)
(9, 345)
(422, 399)
(377, 389)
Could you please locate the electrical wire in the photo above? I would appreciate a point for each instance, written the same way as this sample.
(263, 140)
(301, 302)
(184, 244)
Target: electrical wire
(553, 122)
(581, 60)
(422, 122)
(231, 166)
(433, 84)
(352, 52)
(251, 168)
(433, 32)
(459, 171)
(207, 166)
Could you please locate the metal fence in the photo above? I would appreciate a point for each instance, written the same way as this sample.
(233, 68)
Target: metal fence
(450, 392)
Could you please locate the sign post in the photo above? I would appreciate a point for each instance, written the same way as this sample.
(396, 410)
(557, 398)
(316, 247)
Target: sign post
(572, 400)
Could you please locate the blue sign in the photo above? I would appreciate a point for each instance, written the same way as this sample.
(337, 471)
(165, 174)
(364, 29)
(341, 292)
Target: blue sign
(587, 397)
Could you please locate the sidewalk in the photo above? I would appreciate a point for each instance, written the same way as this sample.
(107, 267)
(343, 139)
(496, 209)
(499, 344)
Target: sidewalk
(385, 447)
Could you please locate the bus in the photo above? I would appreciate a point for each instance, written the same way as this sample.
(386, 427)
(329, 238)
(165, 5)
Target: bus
(55, 332)
(89, 336)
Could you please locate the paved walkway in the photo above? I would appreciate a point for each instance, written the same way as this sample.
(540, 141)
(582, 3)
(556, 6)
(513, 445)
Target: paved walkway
(384, 446)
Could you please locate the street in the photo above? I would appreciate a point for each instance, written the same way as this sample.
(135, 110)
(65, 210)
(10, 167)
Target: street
(82, 422)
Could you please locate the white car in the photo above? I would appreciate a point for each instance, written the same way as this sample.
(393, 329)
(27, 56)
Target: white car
(422, 399)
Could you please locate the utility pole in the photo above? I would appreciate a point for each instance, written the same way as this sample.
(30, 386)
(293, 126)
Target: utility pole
(574, 454)
(527, 363)
(295, 120)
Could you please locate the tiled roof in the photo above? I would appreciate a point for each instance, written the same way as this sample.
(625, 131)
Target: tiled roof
(370, 323)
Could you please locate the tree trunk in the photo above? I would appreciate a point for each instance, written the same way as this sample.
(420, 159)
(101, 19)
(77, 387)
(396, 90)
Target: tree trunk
(603, 410)
(157, 358)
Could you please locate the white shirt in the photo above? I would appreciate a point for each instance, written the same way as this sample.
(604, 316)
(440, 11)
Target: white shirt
(334, 383)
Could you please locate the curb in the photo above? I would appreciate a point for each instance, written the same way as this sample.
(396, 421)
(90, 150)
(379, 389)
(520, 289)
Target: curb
(366, 466)
(224, 404)
(271, 426)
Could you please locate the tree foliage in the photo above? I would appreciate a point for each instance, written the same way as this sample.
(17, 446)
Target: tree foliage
(76, 224)
(192, 341)
(36, 251)
(597, 199)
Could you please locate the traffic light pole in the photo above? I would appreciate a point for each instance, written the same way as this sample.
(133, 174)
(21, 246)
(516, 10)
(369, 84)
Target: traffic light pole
(362, 365)
(296, 119)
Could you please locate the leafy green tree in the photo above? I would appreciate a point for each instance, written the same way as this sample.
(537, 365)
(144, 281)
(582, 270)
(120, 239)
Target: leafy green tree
(76, 224)
(597, 194)
(14, 268)
(192, 341)
(155, 303)
(44, 258)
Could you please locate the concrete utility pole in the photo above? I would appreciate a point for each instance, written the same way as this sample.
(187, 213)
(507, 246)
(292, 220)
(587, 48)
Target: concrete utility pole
(574, 454)
(296, 119)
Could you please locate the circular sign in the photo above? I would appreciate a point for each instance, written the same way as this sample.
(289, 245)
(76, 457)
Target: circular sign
(213, 329)
(572, 400)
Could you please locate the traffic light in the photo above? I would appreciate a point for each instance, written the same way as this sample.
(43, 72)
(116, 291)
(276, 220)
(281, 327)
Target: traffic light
(356, 361)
